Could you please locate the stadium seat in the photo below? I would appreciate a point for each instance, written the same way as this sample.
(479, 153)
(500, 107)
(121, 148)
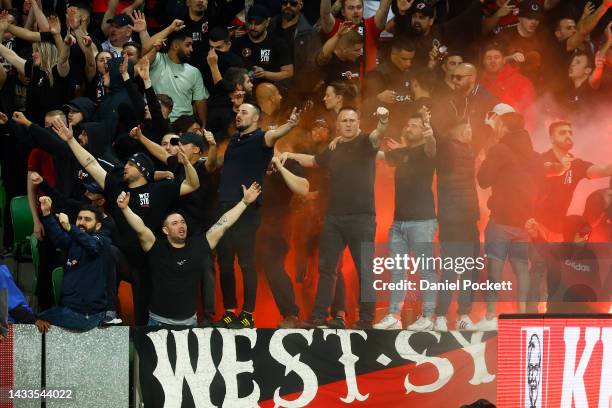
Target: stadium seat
(35, 260)
(23, 225)
(57, 277)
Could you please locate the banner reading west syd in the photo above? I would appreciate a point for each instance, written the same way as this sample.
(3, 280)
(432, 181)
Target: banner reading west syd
(314, 368)
(549, 361)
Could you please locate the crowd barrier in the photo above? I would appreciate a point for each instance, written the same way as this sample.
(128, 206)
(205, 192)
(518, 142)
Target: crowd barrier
(539, 362)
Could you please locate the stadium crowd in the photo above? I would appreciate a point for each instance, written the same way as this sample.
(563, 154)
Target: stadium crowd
(155, 138)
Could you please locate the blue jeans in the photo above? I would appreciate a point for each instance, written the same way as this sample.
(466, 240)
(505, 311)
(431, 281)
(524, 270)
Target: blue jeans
(506, 242)
(416, 237)
(69, 319)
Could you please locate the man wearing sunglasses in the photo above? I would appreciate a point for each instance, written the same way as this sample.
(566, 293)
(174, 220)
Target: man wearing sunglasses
(302, 40)
(469, 101)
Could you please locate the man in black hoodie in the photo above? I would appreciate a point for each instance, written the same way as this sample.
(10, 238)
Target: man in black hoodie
(513, 171)
(80, 110)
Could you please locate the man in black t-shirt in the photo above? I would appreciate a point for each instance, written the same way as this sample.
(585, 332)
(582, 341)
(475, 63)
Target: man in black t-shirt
(556, 193)
(175, 263)
(261, 52)
(246, 159)
(155, 200)
(414, 222)
(351, 217)
(198, 208)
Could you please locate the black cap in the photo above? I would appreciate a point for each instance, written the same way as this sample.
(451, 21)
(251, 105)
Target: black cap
(424, 8)
(193, 138)
(258, 12)
(121, 20)
(93, 187)
(144, 164)
(530, 9)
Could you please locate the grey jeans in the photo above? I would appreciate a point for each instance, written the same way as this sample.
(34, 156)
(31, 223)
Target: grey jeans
(416, 238)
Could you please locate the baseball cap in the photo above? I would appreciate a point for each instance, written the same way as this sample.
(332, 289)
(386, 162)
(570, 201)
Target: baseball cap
(502, 109)
(121, 20)
(187, 138)
(530, 9)
(93, 187)
(258, 12)
(423, 7)
(144, 164)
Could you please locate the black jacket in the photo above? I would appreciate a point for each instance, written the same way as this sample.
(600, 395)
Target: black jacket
(513, 171)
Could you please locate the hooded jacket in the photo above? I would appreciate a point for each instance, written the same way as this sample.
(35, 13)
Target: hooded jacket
(84, 105)
(69, 171)
(513, 171)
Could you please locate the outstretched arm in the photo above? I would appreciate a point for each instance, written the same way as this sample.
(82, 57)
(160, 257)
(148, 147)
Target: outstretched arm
(380, 18)
(327, 19)
(214, 234)
(383, 122)
(298, 185)
(145, 235)
(192, 181)
(305, 160)
(272, 136)
(63, 63)
(85, 158)
(156, 150)
(13, 59)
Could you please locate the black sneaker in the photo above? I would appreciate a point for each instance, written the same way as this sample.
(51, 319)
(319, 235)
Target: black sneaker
(226, 320)
(337, 322)
(244, 321)
(207, 321)
(314, 323)
(362, 325)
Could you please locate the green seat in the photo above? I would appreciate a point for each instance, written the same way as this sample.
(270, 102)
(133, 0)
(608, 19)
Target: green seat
(57, 278)
(35, 260)
(23, 226)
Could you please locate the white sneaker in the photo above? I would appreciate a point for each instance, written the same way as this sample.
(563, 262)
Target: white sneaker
(464, 323)
(487, 324)
(389, 322)
(422, 324)
(440, 325)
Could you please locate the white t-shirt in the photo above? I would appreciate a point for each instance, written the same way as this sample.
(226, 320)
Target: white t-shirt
(182, 82)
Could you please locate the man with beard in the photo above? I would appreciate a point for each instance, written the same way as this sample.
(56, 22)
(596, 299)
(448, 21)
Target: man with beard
(264, 54)
(556, 191)
(87, 248)
(303, 43)
(246, 160)
(173, 76)
(469, 101)
(154, 202)
(176, 262)
(430, 37)
(369, 29)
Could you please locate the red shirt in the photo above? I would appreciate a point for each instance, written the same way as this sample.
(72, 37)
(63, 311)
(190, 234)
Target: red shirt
(42, 162)
(513, 88)
(371, 33)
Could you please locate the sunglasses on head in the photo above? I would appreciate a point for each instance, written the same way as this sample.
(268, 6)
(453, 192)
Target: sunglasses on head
(294, 3)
